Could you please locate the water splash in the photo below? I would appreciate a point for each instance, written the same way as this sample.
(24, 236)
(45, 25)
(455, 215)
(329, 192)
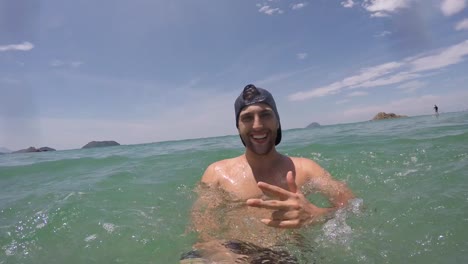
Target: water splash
(336, 230)
(90, 238)
(109, 227)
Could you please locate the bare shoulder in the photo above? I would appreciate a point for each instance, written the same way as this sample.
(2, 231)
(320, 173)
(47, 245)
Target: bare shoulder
(308, 168)
(214, 172)
(310, 172)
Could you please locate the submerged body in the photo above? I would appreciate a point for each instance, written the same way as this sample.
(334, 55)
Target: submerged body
(239, 202)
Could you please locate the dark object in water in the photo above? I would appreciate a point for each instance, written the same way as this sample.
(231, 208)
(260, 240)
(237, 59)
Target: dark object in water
(33, 149)
(383, 115)
(313, 125)
(190, 255)
(97, 144)
(256, 254)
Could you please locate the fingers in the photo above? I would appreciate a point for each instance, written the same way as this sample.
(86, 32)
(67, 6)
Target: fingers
(291, 182)
(296, 223)
(274, 191)
(285, 210)
(284, 215)
(269, 204)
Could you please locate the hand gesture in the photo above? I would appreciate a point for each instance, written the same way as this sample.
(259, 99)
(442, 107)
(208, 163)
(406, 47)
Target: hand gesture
(291, 209)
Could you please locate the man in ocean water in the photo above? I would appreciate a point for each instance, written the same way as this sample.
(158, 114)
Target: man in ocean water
(436, 109)
(246, 203)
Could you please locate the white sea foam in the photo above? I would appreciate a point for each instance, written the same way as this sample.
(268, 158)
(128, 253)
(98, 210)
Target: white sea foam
(406, 172)
(90, 238)
(109, 227)
(336, 230)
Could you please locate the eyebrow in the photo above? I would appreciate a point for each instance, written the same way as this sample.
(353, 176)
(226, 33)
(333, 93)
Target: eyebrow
(269, 110)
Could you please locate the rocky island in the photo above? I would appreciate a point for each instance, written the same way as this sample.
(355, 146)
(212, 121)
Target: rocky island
(313, 125)
(383, 115)
(98, 144)
(33, 149)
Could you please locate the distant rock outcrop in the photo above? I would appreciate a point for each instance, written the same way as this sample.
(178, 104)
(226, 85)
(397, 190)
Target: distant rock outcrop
(30, 149)
(383, 115)
(98, 144)
(33, 149)
(313, 125)
(44, 149)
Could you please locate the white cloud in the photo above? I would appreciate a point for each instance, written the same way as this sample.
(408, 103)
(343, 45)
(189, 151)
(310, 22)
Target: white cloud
(319, 92)
(368, 74)
(25, 46)
(342, 101)
(451, 7)
(348, 3)
(357, 93)
(9, 81)
(383, 34)
(301, 56)
(380, 14)
(411, 86)
(76, 64)
(386, 8)
(383, 8)
(60, 63)
(56, 63)
(298, 6)
(275, 78)
(446, 57)
(269, 10)
(391, 73)
(387, 80)
(462, 25)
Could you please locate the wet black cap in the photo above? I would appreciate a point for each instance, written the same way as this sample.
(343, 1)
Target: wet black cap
(252, 95)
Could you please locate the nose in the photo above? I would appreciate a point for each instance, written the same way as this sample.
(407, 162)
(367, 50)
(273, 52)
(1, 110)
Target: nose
(257, 124)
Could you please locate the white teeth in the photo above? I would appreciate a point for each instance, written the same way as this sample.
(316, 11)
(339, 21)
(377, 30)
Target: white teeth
(259, 136)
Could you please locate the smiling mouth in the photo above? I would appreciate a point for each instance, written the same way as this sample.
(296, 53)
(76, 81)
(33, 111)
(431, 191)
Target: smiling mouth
(259, 137)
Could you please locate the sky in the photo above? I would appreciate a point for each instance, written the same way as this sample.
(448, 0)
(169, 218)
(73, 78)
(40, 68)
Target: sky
(146, 71)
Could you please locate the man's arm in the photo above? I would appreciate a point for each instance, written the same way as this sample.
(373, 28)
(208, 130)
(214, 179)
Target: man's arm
(320, 180)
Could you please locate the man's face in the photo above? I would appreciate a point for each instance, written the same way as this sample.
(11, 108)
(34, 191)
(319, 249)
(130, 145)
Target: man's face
(257, 127)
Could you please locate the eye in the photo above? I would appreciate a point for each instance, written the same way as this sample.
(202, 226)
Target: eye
(265, 115)
(246, 118)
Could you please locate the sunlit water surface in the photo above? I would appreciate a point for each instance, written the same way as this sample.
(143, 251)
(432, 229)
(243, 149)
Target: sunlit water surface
(130, 204)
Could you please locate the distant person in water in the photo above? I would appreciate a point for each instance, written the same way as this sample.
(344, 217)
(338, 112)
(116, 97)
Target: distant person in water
(246, 203)
(436, 109)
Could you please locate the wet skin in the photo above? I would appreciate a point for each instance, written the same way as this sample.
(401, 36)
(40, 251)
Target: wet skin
(272, 187)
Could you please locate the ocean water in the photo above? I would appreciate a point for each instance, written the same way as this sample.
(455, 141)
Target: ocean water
(131, 204)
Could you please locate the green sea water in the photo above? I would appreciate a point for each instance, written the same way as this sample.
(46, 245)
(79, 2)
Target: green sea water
(131, 204)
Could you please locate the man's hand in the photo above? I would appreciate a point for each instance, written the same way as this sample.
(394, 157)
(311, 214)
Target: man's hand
(291, 209)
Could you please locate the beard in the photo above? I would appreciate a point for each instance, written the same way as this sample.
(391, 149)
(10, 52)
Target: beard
(260, 149)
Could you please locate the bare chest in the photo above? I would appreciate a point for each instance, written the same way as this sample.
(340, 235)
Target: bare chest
(244, 185)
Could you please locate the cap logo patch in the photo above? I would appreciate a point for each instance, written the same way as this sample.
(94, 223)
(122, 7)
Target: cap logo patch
(249, 93)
